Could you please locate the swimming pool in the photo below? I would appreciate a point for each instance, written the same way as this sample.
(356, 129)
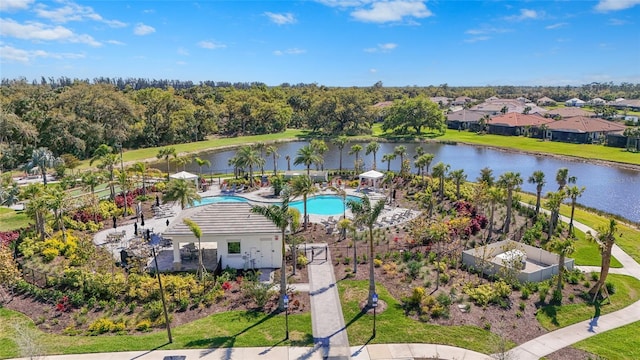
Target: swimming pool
(323, 204)
(219, 199)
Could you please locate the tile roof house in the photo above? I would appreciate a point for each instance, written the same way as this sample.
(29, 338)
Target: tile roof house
(517, 124)
(462, 100)
(597, 101)
(568, 112)
(545, 101)
(440, 100)
(630, 104)
(243, 239)
(581, 129)
(494, 106)
(464, 120)
(575, 102)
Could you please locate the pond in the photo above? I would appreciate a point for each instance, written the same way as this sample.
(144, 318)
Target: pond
(608, 188)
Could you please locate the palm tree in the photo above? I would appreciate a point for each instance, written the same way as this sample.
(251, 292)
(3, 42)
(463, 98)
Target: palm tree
(307, 156)
(511, 182)
(37, 206)
(320, 148)
(288, 158)
(141, 169)
(125, 185)
(182, 161)
(401, 151)
(458, 177)
(201, 163)
(183, 191)
(197, 232)
(108, 159)
(440, 171)
(340, 142)
(563, 178)
(495, 195)
(260, 146)
(423, 162)
(537, 178)
(486, 176)
(373, 147)
(248, 156)
(388, 158)
(59, 202)
(355, 150)
(166, 154)
(564, 248)
(91, 180)
(42, 158)
(605, 237)
(235, 162)
(272, 151)
(364, 214)
(554, 200)
(303, 186)
(573, 193)
(281, 218)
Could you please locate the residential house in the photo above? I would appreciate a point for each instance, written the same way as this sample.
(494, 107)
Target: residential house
(464, 120)
(495, 106)
(516, 124)
(379, 110)
(626, 104)
(581, 129)
(442, 101)
(462, 100)
(545, 101)
(243, 240)
(597, 102)
(568, 112)
(575, 102)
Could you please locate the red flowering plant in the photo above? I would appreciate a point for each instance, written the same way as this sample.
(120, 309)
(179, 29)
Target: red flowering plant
(63, 305)
(226, 286)
(7, 237)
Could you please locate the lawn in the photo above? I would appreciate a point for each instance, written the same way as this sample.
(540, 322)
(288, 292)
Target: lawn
(620, 343)
(552, 317)
(11, 219)
(392, 326)
(229, 329)
(587, 252)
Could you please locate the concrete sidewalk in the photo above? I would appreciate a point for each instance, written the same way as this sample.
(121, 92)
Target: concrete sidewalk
(327, 320)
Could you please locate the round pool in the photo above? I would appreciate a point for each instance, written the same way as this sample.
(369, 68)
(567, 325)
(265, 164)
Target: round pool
(323, 204)
(219, 199)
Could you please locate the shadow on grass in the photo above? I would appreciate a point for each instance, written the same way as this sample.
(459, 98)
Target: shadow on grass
(150, 351)
(551, 311)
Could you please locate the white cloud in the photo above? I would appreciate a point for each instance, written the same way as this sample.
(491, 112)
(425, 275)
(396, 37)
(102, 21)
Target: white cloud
(617, 22)
(211, 45)
(555, 26)
(10, 5)
(292, 51)
(477, 39)
(373, 71)
(486, 30)
(382, 48)
(613, 5)
(73, 12)
(114, 42)
(392, 11)
(344, 3)
(181, 63)
(281, 19)
(43, 32)
(142, 29)
(11, 54)
(183, 52)
(526, 14)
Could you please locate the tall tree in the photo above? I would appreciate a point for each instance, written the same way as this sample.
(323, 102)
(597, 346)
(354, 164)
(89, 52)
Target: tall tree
(59, 202)
(511, 182)
(554, 200)
(42, 158)
(486, 176)
(400, 151)
(563, 178)
(564, 248)
(107, 161)
(440, 171)
(415, 113)
(366, 214)
(355, 150)
(458, 177)
(495, 195)
(537, 178)
(372, 148)
(341, 141)
(36, 207)
(573, 193)
(388, 158)
(606, 238)
(166, 154)
(303, 186)
(281, 218)
(272, 151)
(197, 232)
(249, 157)
(306, 155)
(183, 191)
(201, 163)
(320, 148)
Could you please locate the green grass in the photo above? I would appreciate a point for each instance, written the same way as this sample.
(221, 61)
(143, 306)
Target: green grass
(552, 317)
(195, 147)
(11, 219)
(229, 329)
(392, 326)
(587, 252)
(620, 343)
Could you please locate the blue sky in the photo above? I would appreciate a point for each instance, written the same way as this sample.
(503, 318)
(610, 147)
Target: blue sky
(328, 42)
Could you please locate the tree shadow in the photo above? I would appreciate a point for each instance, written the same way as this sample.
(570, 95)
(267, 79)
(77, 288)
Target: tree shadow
(596, 316)
(150, 351)
(552, 312)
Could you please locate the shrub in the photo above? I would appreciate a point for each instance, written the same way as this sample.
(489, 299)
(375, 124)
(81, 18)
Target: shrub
(611, 287)
(49, 254)
(377, 263)
(413, 268)
(543, 292)
(143, 325)
(302, 261)
(444, 278)
(595, 276)
(443, 299)
(101, 326)
(524, 295)
(523, 305)
(390, 268)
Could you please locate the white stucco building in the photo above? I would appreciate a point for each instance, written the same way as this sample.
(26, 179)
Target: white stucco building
(244, 240)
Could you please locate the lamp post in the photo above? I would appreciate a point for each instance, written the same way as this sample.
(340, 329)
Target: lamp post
(164, 304)
(374, 304)
(285, 301)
